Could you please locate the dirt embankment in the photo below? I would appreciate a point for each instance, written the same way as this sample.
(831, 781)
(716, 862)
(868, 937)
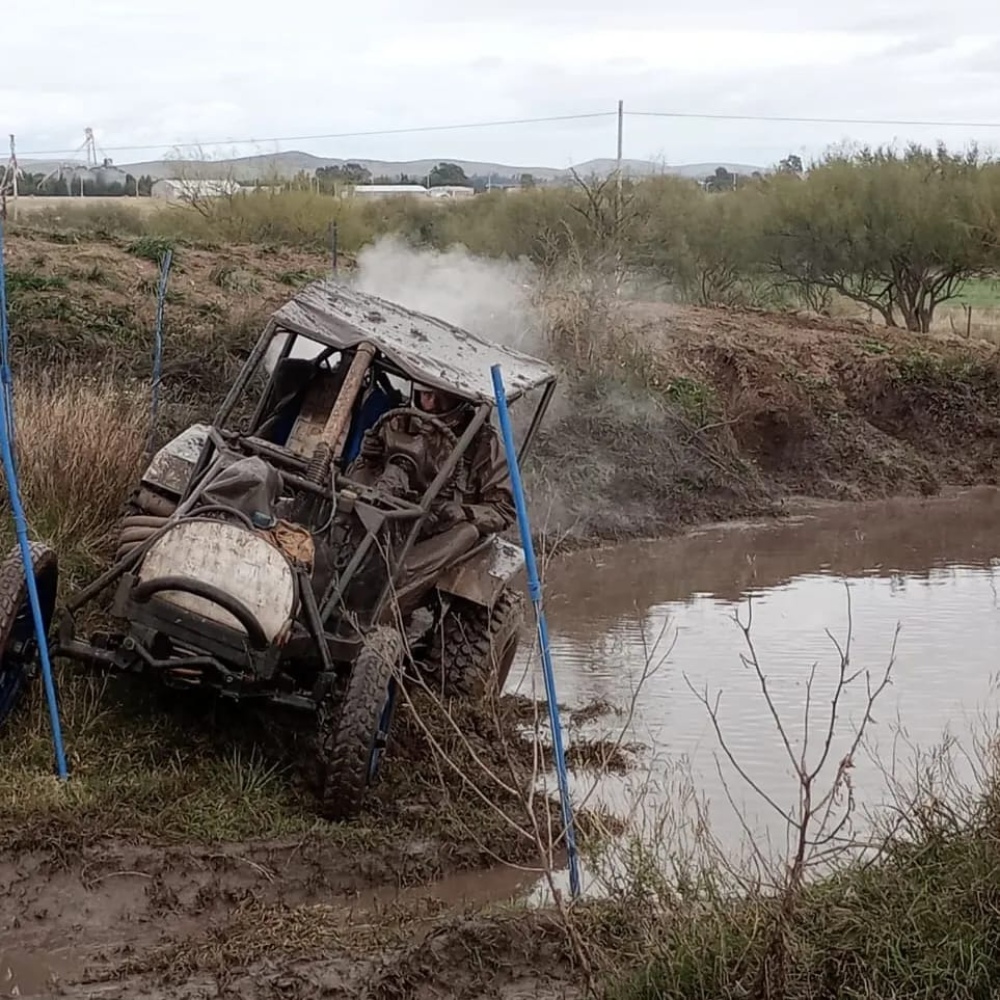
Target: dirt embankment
(90, 306)
(721, 413)
(734, 413)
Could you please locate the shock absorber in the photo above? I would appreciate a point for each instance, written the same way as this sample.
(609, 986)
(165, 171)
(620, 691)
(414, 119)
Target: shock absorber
(334, 434)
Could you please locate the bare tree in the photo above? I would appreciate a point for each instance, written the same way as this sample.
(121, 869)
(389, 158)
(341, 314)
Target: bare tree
(819, 822)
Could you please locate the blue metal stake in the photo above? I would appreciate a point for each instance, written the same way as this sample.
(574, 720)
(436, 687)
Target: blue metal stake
(20, 522)
(535, 590)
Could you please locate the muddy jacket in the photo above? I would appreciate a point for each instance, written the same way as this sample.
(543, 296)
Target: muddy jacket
(482, 485)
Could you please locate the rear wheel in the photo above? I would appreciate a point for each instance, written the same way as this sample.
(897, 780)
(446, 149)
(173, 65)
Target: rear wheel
(18, 642)
(474, 647)
(353, 726)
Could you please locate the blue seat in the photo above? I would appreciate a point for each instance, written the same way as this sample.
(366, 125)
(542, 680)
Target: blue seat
(376, 403)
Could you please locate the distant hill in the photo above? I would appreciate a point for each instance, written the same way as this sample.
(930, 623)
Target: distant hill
(262, 167)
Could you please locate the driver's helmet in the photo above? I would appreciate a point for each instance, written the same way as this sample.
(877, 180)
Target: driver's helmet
(446, 406)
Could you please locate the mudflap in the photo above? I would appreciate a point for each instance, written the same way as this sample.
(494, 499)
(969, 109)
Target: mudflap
(480, 578)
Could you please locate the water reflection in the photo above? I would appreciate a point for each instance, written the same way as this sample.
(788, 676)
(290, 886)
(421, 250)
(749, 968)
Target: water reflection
(908, 582)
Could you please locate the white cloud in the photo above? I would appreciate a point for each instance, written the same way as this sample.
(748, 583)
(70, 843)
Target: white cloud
(204, 70)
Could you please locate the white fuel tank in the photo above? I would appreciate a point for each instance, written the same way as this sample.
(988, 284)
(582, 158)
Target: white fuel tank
(229, 557)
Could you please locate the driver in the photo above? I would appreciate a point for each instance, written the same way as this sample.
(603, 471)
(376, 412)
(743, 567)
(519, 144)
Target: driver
(480, 503)
(487, 502)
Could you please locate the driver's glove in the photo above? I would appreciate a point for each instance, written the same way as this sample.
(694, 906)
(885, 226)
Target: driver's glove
(446, 515)
(393, 480)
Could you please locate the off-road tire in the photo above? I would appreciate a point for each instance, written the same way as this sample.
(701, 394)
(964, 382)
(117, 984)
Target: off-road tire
(347, 723)
(136, 522)
(17, 622)
(473, 647)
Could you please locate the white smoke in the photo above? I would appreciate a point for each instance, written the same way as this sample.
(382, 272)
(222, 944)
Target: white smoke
(489, 297)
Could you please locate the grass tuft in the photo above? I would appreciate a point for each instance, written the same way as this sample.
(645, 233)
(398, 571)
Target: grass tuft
(79, 448)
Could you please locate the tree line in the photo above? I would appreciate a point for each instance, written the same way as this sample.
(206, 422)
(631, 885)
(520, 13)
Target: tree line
(897, 231)
(333, 178)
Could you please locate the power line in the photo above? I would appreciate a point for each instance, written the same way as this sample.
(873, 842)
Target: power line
(338, 135)
(693, 115)
(910, 123)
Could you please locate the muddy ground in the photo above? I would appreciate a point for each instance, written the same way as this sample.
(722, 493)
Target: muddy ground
(144, 877)
(262, 919)
(175, 869)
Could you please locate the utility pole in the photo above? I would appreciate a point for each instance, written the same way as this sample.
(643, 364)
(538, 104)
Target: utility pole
(618, 168)
(8, 181)
(14, 171)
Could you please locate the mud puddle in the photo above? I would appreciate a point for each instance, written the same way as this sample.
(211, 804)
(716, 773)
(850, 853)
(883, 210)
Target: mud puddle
(172, 896)
(26, 974)
(648, 626)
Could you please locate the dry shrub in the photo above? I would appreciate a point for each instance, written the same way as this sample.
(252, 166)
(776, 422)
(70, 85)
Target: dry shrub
(585, 322)
(79, 451)
(292, 218)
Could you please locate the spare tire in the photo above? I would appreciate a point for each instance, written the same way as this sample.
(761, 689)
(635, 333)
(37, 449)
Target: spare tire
(18, 641)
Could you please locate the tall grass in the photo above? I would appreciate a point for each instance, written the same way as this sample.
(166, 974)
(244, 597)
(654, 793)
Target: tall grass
(915, 920)
(79, 450)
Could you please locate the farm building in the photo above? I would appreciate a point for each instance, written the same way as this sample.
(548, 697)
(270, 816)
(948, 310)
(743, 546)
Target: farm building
(389, 191)
(452, 191)
(170, 189)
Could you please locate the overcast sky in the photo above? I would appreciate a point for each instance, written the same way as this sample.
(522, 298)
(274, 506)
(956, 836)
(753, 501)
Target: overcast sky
(207, 70)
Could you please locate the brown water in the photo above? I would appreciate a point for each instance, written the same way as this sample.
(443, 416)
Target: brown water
(926, 567)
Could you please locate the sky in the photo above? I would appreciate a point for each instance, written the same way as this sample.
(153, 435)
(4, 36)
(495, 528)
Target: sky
(220, 73)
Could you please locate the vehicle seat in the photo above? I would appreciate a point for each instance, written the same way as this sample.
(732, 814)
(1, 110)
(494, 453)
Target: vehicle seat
(295, 390)
(380, 400)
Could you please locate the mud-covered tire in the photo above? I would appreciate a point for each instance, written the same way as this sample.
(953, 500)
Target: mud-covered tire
(18, 644)
(474, 647)
(350, 724)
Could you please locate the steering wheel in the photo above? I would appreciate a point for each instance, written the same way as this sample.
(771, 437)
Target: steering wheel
(415, 423)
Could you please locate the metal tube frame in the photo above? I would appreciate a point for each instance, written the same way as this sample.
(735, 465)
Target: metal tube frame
(536, 420)
(458, 452)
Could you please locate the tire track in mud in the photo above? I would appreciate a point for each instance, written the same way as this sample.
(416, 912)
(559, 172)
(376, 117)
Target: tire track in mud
(340, 911)
(279, 918)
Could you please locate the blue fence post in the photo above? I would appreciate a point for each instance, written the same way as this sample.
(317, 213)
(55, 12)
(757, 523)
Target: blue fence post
(535, 590)
(20, 522)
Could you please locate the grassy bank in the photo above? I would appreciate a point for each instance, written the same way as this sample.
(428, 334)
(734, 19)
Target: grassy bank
(913, 915)
(920, 923)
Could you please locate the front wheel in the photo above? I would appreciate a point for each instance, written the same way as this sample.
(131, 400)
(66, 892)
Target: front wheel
(474, 647)
(353, 726)
(18, 642)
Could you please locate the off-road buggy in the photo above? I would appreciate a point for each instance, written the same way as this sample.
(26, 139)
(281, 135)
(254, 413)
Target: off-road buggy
(250, 563)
